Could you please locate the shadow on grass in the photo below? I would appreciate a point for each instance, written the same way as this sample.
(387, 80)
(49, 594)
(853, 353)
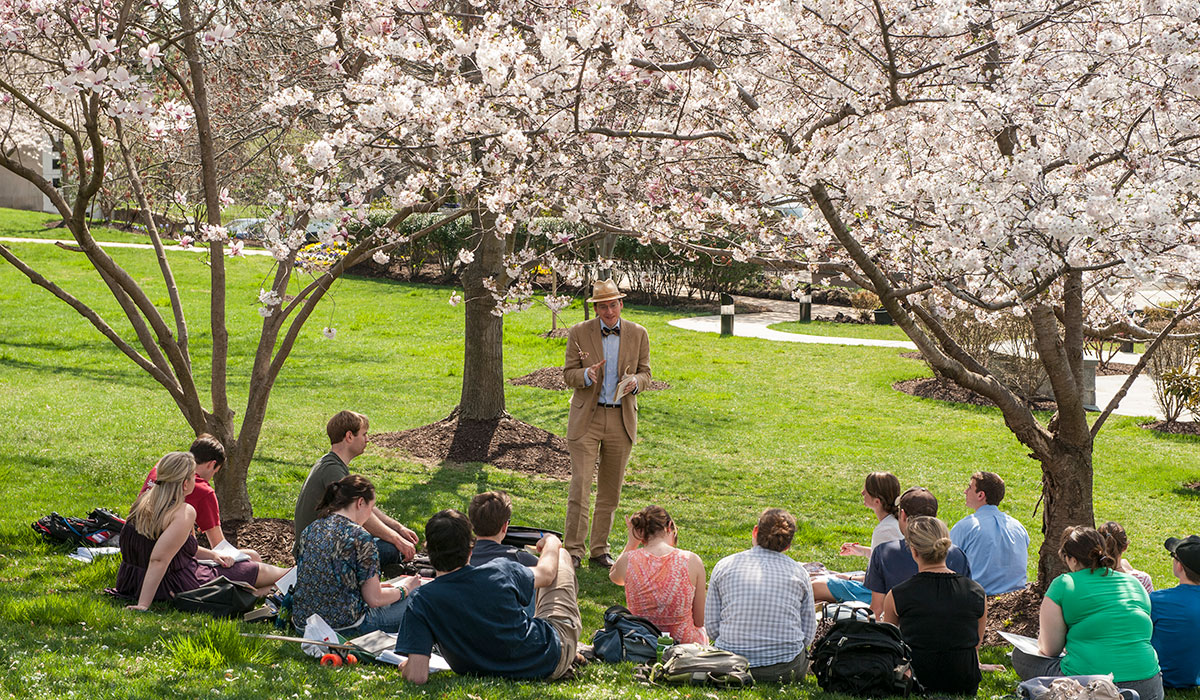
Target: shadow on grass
(108, 375)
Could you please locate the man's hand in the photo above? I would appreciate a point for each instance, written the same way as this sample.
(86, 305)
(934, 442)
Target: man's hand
(408, 534)
(407, 550)
(853, 549)
(593, 371)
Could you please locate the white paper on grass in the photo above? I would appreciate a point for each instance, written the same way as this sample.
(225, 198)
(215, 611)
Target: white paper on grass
(89, 554)
(436, 663)
(1029, 645)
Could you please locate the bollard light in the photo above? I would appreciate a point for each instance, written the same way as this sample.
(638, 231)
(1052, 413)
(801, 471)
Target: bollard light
(805, 300)
(726, 314)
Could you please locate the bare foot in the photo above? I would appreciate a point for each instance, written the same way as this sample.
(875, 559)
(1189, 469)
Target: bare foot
(992, 667)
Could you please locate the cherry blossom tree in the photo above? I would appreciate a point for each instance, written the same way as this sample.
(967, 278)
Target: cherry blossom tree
(1037, 160)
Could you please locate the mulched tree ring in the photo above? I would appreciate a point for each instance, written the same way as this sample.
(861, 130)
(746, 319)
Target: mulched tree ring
(1015, 612)
(506, 443)
(1174, 427)
(556, 333)
(272, 538)
(946, 390)
(551, 378)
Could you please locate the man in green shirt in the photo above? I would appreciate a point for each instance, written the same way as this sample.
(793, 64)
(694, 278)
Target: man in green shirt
(348, 436)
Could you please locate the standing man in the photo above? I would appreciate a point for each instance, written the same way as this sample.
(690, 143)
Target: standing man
(608, 363)
(995, 543)
(347, 432)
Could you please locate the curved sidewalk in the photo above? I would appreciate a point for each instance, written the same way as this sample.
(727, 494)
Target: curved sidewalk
(1139, 401)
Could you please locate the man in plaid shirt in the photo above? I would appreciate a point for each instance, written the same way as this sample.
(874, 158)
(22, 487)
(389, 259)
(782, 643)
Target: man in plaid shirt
(760, 603)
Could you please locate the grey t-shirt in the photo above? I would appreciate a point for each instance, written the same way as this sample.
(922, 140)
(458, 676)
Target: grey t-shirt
(327, 470)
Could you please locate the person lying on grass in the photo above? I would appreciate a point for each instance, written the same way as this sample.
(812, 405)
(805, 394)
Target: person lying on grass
(160, 557)
(477, 614)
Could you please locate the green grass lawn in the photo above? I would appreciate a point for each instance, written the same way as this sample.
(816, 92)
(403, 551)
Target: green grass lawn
(841, 330)
(746, 424)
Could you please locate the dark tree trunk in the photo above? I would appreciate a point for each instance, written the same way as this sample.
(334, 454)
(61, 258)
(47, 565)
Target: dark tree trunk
(1067, 496)
(230, 482)
(483, 342)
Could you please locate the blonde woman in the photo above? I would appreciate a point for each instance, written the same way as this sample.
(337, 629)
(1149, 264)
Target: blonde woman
(159, 552)
(941, 614)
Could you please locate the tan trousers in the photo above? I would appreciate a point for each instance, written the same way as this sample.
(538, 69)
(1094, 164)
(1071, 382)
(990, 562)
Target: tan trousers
(558, 604)
(606, 438)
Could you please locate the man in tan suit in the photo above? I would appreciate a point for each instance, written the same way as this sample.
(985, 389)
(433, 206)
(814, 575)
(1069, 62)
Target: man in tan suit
(608, 363)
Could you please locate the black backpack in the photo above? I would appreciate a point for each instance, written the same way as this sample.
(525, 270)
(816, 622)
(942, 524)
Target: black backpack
(98, 528)
(863, 658)
(626, 637)
(219, 597)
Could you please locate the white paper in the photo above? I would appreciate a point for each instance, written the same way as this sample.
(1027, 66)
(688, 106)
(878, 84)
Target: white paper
(1029, 645)
(626, 386)
(230, 551)
(285, 582)
(88, 554)
(436, 663)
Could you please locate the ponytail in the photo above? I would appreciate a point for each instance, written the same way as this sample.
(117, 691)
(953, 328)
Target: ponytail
(342, 493)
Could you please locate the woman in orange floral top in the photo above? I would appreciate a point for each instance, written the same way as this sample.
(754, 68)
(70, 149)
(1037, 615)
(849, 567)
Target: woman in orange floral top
(662, 582)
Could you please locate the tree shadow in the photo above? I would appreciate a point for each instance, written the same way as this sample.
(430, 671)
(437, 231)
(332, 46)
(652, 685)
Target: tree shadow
(106, 375)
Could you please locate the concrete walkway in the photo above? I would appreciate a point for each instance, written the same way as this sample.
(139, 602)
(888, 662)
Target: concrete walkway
(1139, 401)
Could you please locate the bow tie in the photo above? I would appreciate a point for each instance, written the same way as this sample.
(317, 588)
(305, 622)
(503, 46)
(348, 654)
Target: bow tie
(605, 332)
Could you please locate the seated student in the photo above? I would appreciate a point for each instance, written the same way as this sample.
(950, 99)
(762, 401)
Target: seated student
(1116, 542)
(995, 543)
(159, 552)
(1099, 616)
(476, 614)
(489, 513)
(942, 615)
(879, 494)
(210, 457)
(1176, 616)
(760, 603)
(347, 432)
(892, 563)
(337, 570)
(662, 583)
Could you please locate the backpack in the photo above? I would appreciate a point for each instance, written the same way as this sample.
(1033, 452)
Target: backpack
(219, 597)
(626, 637)
(700, 664)
(99, 527)
(863, 658)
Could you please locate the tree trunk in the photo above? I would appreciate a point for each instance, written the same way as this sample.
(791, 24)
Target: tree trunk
(1067, 496)
(483, 341)
(230, 482)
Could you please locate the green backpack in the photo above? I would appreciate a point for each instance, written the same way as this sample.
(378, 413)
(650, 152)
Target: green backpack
(699, 664)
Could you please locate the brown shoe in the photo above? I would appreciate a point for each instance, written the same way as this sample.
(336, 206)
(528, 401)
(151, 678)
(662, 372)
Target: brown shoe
(604, 561)
(578, 562)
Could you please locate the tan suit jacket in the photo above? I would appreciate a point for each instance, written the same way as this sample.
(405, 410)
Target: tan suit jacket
(584, 348)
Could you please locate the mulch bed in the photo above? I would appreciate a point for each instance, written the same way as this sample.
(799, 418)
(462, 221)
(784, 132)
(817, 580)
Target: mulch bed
(506, 443)
(1174, 428)
(1015, 612)
(551, 378)
(1113, 369)
(272, 538)
(932, 388)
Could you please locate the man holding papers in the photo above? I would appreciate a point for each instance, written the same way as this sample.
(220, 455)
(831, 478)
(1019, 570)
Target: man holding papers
(608, 364)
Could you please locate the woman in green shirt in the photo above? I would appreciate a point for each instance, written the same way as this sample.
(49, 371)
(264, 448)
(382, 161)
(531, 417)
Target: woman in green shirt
(1099, 616)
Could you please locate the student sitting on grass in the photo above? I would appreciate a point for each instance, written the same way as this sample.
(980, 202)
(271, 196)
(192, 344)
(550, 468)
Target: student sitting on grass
(1117, 542)
(662, 583)
(1099, 616)
(1176, 615)
(210, 457)
(477, 614)
(879, 493)
(490, 513)
(159, 552)
(942, 615)
(337, 572)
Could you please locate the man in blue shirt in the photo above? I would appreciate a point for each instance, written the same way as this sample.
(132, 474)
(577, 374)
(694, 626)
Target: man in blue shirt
(489, 513)
(891, 563)
(477, 614)
(1176, 615)
(996, 543)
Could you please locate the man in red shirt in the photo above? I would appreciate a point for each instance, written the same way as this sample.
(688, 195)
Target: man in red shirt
(210, 457)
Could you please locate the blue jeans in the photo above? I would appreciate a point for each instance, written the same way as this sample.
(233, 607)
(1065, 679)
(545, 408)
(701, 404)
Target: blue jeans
(386, 618)
(388, 554)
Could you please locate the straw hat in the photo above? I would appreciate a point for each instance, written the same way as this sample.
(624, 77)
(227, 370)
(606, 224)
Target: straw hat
(605, 290)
